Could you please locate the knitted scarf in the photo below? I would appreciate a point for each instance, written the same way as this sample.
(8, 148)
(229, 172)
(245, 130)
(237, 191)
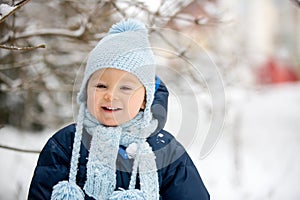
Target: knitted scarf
(101, 166)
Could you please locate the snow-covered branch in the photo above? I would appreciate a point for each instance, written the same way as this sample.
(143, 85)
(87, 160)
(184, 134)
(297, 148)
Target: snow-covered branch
(52, 31)
(7, 10)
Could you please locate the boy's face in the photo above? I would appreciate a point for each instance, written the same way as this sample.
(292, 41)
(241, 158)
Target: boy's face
(114, 96)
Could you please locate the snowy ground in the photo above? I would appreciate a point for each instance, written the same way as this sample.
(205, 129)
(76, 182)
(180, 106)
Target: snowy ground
(256, 157)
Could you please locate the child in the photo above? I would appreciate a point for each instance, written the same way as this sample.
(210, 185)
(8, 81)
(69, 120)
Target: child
(117, 149)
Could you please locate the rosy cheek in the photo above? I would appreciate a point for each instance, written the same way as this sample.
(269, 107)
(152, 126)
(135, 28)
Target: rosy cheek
(90, 105)
(134, 104)
(91, 101)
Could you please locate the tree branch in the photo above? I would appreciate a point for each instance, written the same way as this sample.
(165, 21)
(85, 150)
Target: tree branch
(296, 2)
(6, 66)
(11, 10)
(7, 80)
(19, 149)
(22, 48)
(58, 32)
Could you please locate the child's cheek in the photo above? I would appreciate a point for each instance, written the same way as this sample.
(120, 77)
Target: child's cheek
(135, 103)
(91, 100)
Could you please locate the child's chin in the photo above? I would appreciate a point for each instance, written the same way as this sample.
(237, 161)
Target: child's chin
(112, 123)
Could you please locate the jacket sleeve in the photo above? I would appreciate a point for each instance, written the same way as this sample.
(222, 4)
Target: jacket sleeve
(52, 167)
(183, 182)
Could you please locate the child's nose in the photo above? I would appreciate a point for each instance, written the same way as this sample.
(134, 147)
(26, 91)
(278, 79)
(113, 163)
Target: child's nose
(110, 95)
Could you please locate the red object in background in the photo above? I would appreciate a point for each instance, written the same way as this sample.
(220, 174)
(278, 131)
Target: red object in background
(273, 71)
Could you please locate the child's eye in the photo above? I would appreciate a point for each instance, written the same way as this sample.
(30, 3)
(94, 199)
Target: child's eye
(127, 88)
(100, 85)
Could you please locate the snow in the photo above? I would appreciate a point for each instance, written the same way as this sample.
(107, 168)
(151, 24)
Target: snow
(5, 9)
(256, 157)
(17, 168)
(261, 161)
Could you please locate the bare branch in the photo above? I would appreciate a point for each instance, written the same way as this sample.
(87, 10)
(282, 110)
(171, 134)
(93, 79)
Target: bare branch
(57, 32)
(7, 80)
(5, 38)
(118, 9)
(48, 32)
(296, 2)
(37, 88)
(165, 39)
(19, 149)
(22, 48)
(6, 66)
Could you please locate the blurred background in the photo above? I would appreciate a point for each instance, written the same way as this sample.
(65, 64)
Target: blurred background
(232, 69)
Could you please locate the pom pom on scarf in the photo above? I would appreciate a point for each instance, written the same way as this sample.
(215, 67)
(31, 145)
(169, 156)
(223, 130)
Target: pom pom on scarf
(131, 150)
(67, 191)
(127, 195)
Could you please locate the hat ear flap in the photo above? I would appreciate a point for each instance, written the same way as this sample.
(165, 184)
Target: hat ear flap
(69, 189)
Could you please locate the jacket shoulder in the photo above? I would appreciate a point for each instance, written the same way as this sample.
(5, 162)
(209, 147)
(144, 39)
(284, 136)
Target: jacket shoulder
(167, 149)
(53, 163)
(58, 146)
(163, 140)
(65, 137)
(179, 178)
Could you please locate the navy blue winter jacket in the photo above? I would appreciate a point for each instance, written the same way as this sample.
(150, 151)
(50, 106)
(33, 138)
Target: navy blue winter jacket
(178, 177)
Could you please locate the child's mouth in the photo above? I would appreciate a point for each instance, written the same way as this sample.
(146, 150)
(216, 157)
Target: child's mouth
(110, 109)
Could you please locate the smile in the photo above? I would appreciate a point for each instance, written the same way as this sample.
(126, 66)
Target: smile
(108, 108)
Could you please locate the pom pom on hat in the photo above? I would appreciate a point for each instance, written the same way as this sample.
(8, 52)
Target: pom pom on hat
(128, 25)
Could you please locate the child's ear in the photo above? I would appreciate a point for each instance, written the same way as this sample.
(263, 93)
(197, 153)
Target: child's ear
(143, 106)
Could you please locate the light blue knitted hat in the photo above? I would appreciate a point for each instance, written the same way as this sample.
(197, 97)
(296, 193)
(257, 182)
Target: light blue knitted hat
(125, 47)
